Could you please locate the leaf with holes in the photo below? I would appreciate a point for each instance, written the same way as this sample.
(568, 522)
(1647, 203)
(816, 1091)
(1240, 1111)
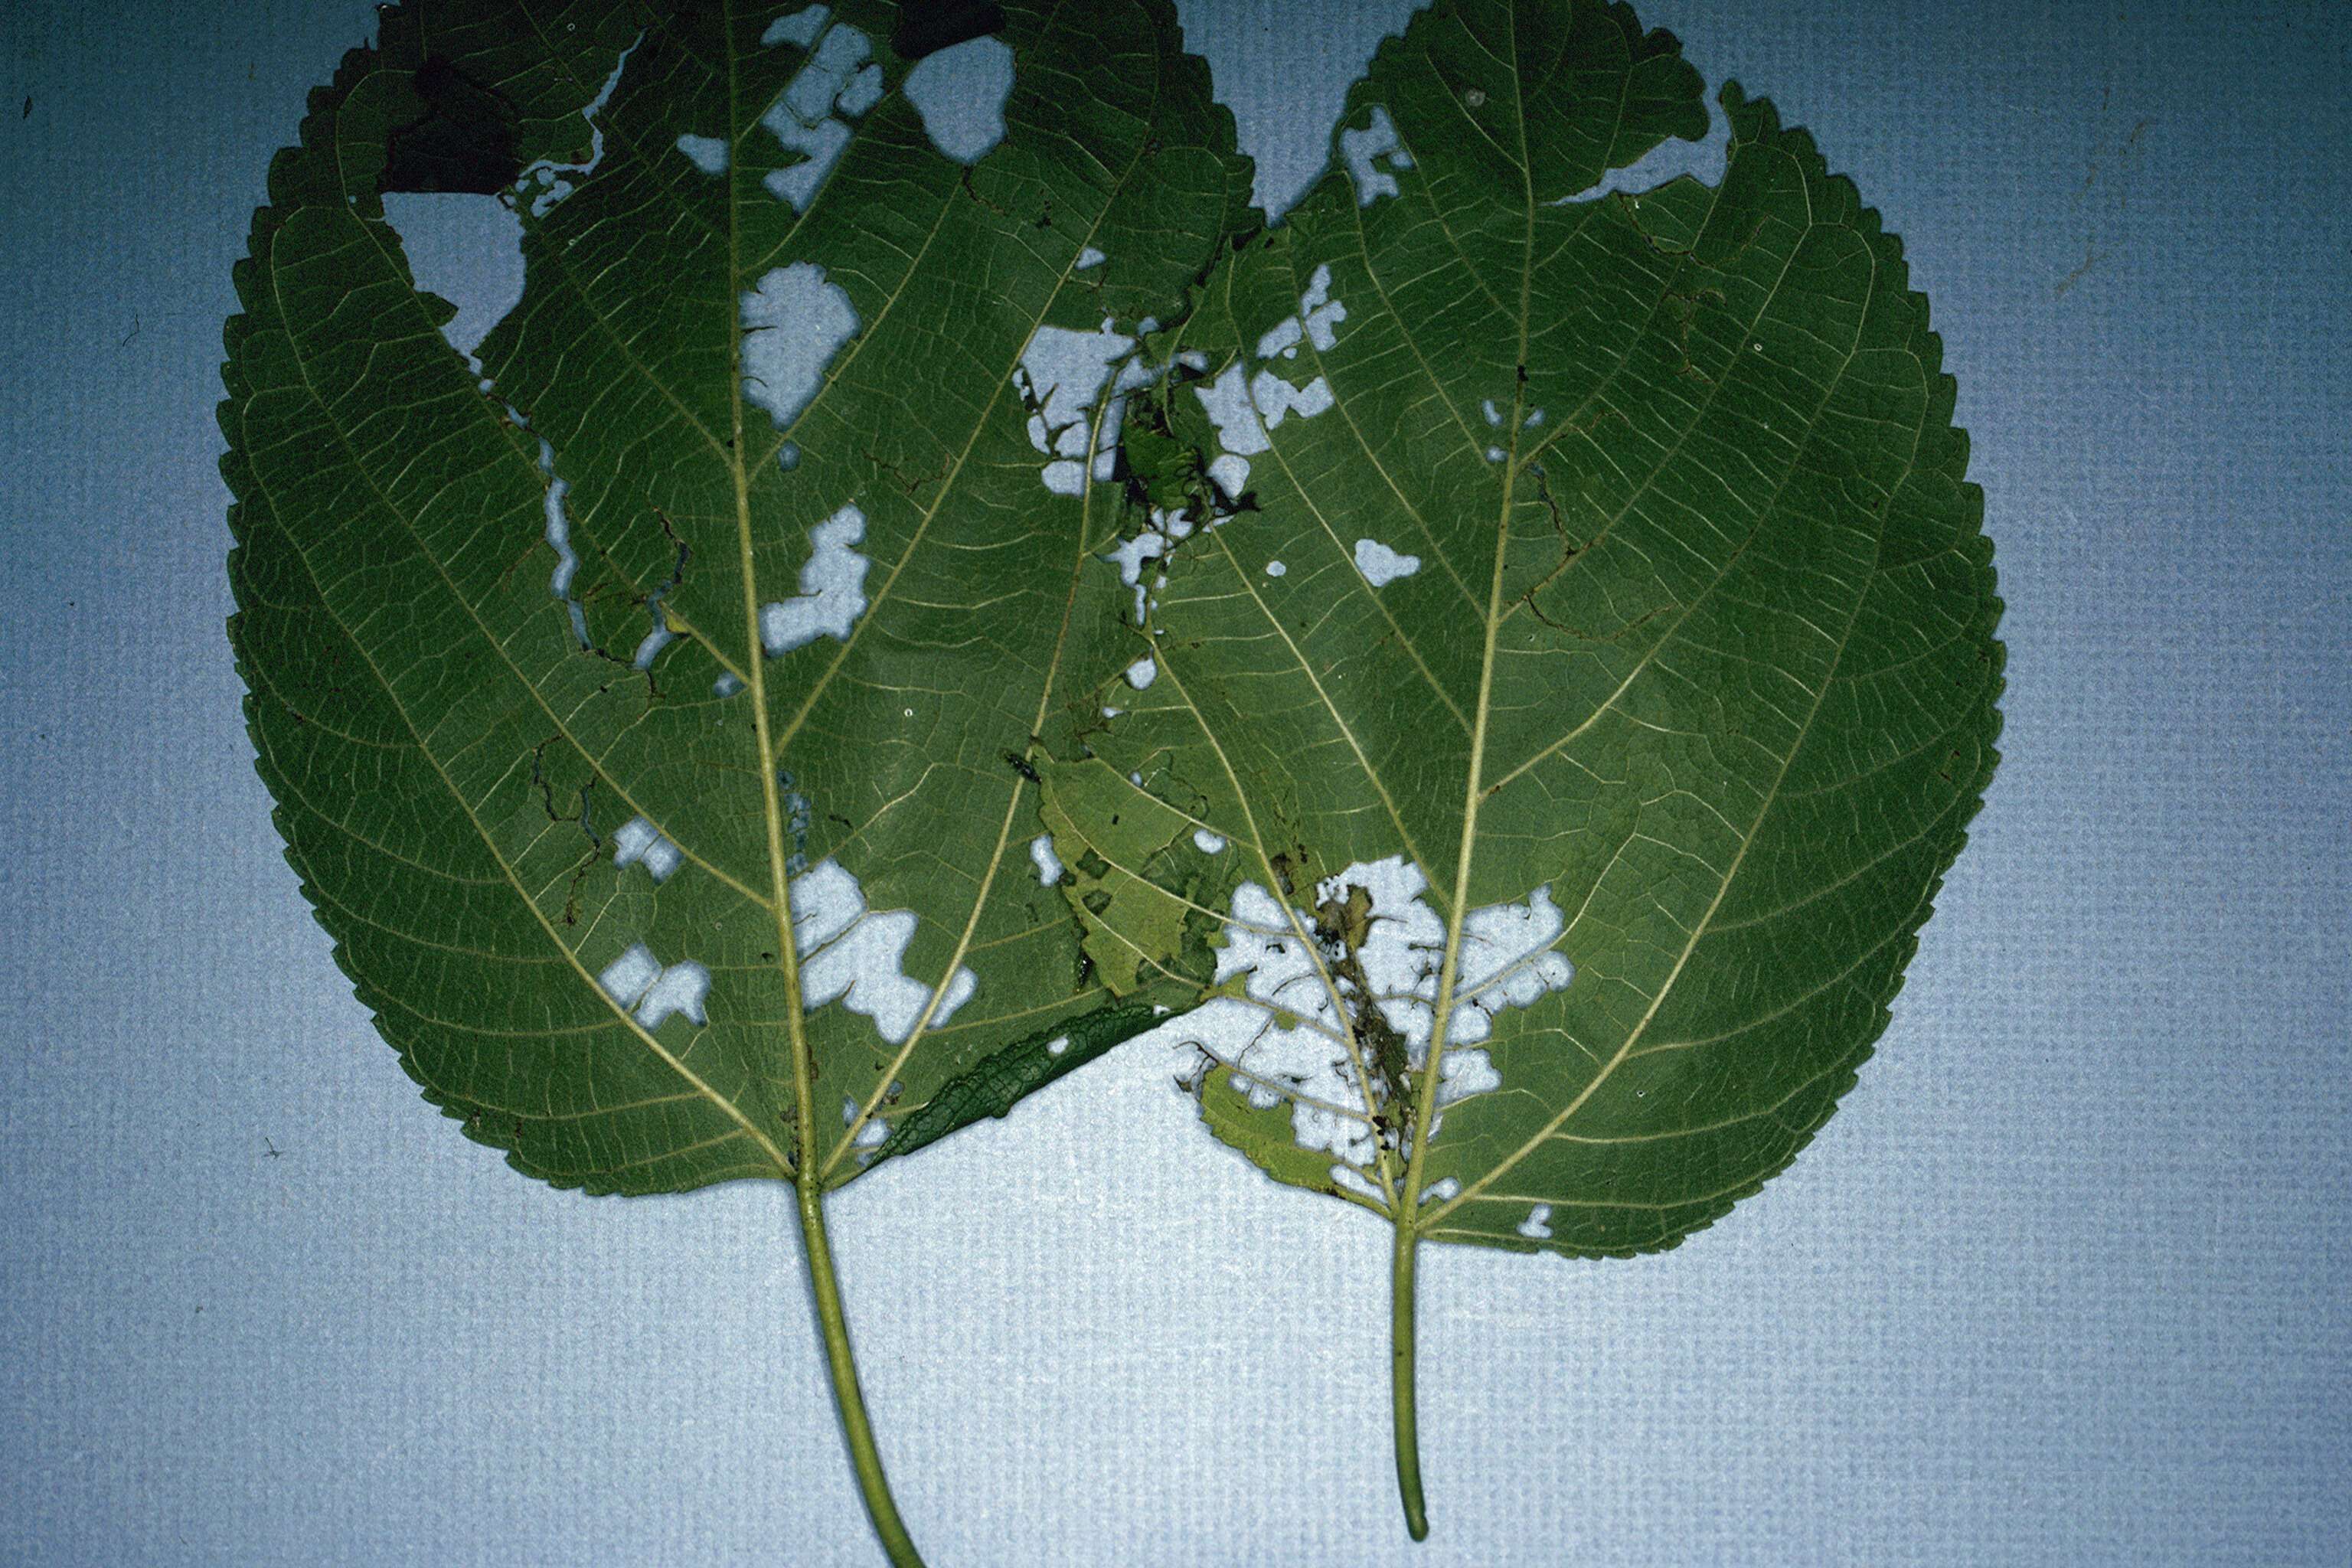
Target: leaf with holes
(654, 705)
(1556, 723)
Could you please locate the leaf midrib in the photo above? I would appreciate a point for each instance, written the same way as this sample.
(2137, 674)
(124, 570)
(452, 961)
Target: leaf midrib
(1763, 811)
(771, 799)
(1408, 1218)
(774, 755)
(771, 748)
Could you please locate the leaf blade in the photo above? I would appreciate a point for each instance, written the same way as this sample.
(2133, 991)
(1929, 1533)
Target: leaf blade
(500, 780)
(1703, 461)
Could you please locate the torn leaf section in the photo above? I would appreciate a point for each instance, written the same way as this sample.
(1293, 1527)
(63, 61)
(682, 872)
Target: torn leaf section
(856, 957)
(1134, 880)
(1003, 1079)
(1165, 439)
(1260, 1127)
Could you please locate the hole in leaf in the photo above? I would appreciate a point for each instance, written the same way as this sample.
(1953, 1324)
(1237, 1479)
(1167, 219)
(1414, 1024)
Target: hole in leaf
(1321, 313)
(639, 981)
(959, 93)
(557, 529)
(794, 323)
(1359, 149)
(639, 842)
(681, 991)
(629, 977)
(1050, 869)
(801, 120)
(856, 957)
(1061, 379)
(1382, 565)
(799, 29)
(833, 588)
(1277, 398)
(708, 154)
(1226, 401)
(468, 249)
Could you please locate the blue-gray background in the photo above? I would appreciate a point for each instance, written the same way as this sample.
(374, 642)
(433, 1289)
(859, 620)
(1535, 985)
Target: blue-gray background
(2066, 1281)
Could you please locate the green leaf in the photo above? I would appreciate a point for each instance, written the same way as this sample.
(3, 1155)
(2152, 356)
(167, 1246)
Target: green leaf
(1609, 610)
(455, 770)
(1129, 878)
(1547, 669)
(651, 718)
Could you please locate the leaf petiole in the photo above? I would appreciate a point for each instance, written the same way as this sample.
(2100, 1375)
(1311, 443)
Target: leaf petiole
(1400, 1371)
(841, 1367)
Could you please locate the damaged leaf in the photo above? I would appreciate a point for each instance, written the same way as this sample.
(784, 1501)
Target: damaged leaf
(1603, 681)
(1130, 890)
(906, 602)
(638, 701)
